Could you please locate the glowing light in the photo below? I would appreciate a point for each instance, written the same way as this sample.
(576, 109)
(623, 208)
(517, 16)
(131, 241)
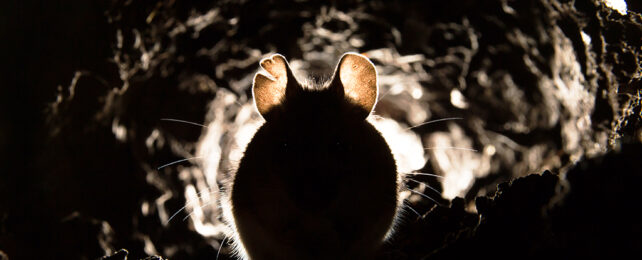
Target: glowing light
(458, 100)
(119, 131)
(618, 5)
(405, 144)
(417, 93)
(586, 38)
(453, 157)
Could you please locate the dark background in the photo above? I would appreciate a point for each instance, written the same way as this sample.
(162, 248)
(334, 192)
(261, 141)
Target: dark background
(70, 189)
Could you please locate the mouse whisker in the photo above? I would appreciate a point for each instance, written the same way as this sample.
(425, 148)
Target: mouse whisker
(435, 121)
(178, 211)
(422, 174)
(384, 94)
(220, 247)
(423, 195)
(199, 196)
(201, 207)
(178, 161)
(182, 121)
(407, 205)
(194, 211)
(451, 147)
(429, 187)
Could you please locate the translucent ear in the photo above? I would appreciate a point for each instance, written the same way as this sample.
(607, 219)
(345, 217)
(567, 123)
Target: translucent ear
(270, 90)
(356, 76)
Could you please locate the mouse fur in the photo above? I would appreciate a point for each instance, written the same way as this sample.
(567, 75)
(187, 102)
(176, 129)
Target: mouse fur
(317, 180)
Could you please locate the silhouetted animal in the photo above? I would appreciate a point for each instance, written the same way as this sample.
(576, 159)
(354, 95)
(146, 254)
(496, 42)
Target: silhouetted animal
(317, 181)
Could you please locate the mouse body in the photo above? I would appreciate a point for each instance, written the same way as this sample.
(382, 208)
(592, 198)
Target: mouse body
(317, 180)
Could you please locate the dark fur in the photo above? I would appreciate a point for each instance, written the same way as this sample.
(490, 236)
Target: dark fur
(317, 181)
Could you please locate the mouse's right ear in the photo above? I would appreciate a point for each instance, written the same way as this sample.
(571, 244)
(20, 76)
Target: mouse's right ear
(270, 90)
(356, 78)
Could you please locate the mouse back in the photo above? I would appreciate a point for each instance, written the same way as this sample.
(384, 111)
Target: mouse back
(317, 180)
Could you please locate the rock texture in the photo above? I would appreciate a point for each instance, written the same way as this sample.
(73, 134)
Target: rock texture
(542, 86)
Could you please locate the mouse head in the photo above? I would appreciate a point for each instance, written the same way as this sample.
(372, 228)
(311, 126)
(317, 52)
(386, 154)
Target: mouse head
(315, 125)
(317, 130)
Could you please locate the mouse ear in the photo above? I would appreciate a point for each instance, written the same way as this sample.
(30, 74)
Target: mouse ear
(356, 78)
(270, 90)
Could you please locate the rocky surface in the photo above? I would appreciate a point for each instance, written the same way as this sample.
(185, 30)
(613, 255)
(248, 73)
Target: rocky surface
(544, 86)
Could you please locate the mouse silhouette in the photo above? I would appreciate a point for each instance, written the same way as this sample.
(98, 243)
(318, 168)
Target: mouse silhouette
(317, 181)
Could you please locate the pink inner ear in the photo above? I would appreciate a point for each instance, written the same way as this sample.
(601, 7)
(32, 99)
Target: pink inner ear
(269, 92)
(277, 67)
(359, 79)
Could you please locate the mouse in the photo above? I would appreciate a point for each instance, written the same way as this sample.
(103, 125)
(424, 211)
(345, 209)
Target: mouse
(317, 180)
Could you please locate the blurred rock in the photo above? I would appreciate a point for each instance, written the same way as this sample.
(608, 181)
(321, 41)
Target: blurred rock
(539, 85)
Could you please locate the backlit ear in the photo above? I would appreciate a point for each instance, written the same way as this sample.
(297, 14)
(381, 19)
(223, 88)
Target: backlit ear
(357, 76)
(270, 90)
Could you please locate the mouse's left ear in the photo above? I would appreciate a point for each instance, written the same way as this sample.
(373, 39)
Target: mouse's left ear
(270, 90)
(356, 78)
